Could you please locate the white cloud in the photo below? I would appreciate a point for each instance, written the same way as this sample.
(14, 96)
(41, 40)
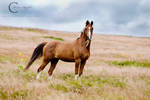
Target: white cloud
(58, 3)
(144, 2)
(110, 16)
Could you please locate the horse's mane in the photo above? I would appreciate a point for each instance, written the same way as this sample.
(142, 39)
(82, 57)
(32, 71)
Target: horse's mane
(79, 36)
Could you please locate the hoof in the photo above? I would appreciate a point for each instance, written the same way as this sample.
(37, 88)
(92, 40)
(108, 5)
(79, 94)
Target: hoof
(76, 77)
(50, 78)
(38, 76)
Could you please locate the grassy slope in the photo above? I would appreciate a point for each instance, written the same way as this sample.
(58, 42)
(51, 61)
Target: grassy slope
(103, 79)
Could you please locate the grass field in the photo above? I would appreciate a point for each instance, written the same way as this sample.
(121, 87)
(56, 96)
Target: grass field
(118, 69)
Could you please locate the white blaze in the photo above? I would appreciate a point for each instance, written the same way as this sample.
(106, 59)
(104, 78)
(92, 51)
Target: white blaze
(89, 33)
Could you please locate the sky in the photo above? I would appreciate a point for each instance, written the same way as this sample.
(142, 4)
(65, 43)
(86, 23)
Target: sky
(116, 17)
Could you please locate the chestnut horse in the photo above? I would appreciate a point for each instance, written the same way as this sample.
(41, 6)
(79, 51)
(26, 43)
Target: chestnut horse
(77, 51)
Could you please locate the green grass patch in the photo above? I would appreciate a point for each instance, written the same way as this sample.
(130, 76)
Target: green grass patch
(19, 93)
(31, 30)
(28, 75)
(59, 87)
(12, 59)
(75, 84)
(18, 73)
(20, 67)
(93, 81)
(5, 95)
(7, 37)
(54, 38)
(6, 28)
(132, 63)
(4, 59)
(35, 30)
(100, 81)
(66, 76)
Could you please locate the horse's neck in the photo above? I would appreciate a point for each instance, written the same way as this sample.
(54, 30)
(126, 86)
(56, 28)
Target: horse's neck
(88, 47)
(82, 42)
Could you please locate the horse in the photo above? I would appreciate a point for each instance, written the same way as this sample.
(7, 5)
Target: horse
(77, 51)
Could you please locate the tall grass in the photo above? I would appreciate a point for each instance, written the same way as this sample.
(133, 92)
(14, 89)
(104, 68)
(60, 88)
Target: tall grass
(24, 86)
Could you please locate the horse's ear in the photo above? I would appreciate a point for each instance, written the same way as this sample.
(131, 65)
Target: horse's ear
(92, 23)
(87, 22)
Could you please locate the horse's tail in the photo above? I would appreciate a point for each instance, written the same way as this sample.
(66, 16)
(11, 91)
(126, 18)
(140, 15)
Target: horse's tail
(38, 51)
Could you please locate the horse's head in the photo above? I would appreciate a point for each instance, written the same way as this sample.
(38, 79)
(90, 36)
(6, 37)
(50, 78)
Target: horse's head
(88, 30)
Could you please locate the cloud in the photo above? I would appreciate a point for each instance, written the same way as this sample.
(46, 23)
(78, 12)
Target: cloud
(110, 16)
(58, 3)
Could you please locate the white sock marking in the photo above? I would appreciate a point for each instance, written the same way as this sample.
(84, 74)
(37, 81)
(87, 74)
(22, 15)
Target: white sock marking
(50, 78)
(76, 77)
(38, 75)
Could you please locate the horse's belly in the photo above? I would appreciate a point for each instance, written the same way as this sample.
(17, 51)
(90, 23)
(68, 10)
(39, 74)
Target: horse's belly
(68, 60)
(64, 56)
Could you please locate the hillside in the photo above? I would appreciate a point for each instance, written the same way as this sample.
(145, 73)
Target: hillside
(118, 68)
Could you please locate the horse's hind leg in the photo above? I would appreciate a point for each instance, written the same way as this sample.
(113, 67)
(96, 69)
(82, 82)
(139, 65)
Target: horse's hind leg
(44, 63)
(52, 67)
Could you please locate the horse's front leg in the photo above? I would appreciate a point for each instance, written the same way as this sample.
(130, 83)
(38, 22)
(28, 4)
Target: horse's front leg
(83, 62)
(77, 62)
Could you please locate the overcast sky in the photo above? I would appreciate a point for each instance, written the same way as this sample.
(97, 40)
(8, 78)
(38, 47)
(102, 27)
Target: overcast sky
(118, 17)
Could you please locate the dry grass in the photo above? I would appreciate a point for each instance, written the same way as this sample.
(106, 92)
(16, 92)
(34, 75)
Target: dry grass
(101, 80)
